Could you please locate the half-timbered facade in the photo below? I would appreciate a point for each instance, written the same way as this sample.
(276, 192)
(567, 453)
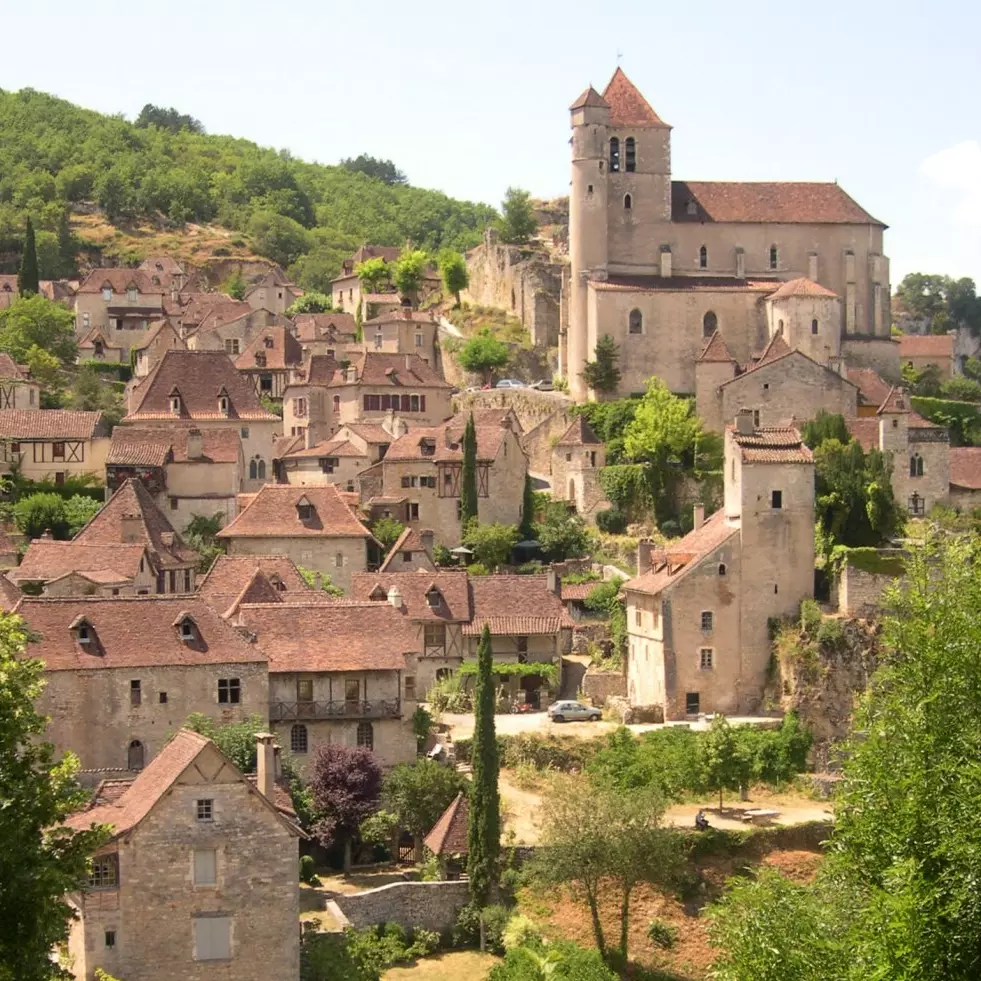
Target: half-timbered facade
(54, 444)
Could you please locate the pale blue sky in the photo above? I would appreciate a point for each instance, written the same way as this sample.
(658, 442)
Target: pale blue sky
(469, 98)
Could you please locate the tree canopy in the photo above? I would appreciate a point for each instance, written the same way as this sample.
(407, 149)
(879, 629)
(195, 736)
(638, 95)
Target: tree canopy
(27, 277)
(453, 271)
(942, 301)
(408, 271)
(168, 119)
(602, 374)
(35, 321)
(518, 223)
(483, 352)
(381, 170)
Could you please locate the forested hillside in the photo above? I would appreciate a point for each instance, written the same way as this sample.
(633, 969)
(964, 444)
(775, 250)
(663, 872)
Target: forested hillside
(56, 157)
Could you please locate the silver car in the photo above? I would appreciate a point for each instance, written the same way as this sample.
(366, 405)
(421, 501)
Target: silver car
(573, 712)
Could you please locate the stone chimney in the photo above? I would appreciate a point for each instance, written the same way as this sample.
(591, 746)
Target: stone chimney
(744, 422)
(665, 261)
(699, 512)
(395, 597)
(132, 529)
(195, 444)
(47, 536)
(645, 556)
(309, 437)
(553, 581)
(266, 765)
(408, 362)
(428, 540)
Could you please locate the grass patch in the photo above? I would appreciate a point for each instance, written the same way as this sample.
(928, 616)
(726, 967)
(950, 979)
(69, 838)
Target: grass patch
(454, 965)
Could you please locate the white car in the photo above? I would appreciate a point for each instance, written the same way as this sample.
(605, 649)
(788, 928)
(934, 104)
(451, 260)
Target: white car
(573, 712)
(510, 383)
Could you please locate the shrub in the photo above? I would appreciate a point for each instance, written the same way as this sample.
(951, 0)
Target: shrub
(810, 617)
(308, 870)
(612, 521)
(662, 934)
(424, 943)
(520, 932)
(831, 634)
(466, 932)
(478, 569)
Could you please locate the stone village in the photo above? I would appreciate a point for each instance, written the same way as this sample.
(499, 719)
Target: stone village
(764, 303)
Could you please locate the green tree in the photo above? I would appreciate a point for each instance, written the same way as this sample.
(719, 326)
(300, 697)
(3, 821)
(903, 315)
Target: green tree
(491, 544)
(90, 392)
(518, 223)
(27, 278)
(372, 273)
(454, 273)
(943, 302)
(326, 584)
(484, 831)
(824, 426)
(417, 793)
(602, 374)
(35, 321)
(41, 861)
(311, 302)
(380, 170)
(278, 237)
(483, 352)
(235, 739)
(235, 286)
(561, 532)
(961, 390)
(67, 264)
(925, 381)
(41, 512)
(168, 119)
(723, 764)
(409, 270)
(79, 511)
(468, 476)
(526, 529)
(387, 531)
(47, 371)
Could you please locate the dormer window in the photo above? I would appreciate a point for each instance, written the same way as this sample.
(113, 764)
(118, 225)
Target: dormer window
(304, 509)
(434, 597)
(186, 628)
(131, 294)
(378, 594)
(268, 342)
(223, 404)
(427, 447)
(107, 293)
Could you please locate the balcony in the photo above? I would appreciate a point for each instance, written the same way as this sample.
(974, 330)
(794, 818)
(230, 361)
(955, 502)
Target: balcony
(325, 711)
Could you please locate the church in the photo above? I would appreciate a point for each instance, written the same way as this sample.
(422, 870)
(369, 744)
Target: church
(664, 266)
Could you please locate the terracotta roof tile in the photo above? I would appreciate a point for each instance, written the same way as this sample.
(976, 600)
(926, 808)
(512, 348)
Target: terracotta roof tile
(965, 467)
(454, 590)
(579, 433)
(56, 424)
(153, 331)
(119, 280)
(509, 626)
(272, 349)
(578, 591)
(683, 284)
(771, 445)
(896, 402)
(329, 447)
(874, 390)
(450, 834)
(10, 369)
(166, 547)
(446, 441)
(10, 595)
(124, 628)
(627, 106)
(156, 447)
(273, 513)
(220, 315)
(197, 376)
(801, 287)
(257, 590)
(591, 98)
(766, 203)
(866, 431)
(926, 346)
(328, 326)
(98, 333)
(369, 432)
(393, 371)
(381, 299)
(332, 636)
(408, 542)
(716, 350)
(45, 560)
(230, 574)
(775, 348)
(508, 602)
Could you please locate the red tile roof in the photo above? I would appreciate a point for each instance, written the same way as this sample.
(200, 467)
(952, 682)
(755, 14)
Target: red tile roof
(450, 834)
(393, 371)
(801, 287)
(590, 97)
(683, 284)
(45, 560)
(408, 542)
(926, 346)
(965, 467)
(895, 403)
(866, 431)
(153, 331)
(119, 280)
(130, 632)
(716, 351)
(136, 447)
(510, 626)
(325, 326)
(627, 106)
(577, 592)
(512, 603)
(874, 391)
(230, 574)
(10, 595)
(10, 369)
(448, 440)
(273, 514)
(786, 203)
(332, 636)
(453, 587)
(197, 377)
(775, 348)
(51, 424)
(272, 349)
(329, 447)
(579, 433)
(166, 547)
(771, 445)
(370, 432)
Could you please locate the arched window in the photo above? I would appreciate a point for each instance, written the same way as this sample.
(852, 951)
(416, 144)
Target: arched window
(253, 470)
(630, 154)
(722, 568)
(337, 403)
(134, 756)
(299, 740)
(703, 258)
(572, 489)
(628, 202)
(814, 326)
(916, 465)
(779, 325)
(774, 257)
(262, 470)
(635, 325)
(614, 154)
(366, 735)
(710, 324)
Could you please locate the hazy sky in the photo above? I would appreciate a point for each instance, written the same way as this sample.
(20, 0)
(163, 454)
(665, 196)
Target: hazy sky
(472, 97)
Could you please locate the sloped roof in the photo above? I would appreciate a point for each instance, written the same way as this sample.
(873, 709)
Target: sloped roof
(329, 447)
(716, 350)
(579, 433)
(229, 575)
(10, 369)
(453, 586)
(273, 348)
(802, 286)
(775, 348)
(896, 402)
(590, 98)
(119, 280)
(153, 331)
(627, 106)
(965, 467)
(46, 559)
(10, 595)
(317, 326)
(166, 547)
(98, 333)
(408, 542)
(450, 834)
(873, 389)
(198, 377)
(771, 445)
(55, 424)
(926, 346)
(272, 513)
(448, 439)
(257, 590)
(332, 636)
(774, 202)
(131, 632)
(512, 604)
(393, 371)
(132, 446)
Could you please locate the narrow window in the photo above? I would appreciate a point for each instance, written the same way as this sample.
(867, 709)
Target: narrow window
(409, 688)
(366, 735)
(776, 500)
(229, 691)
(135, 693)
(814, 326)
(614, 154)
(638, 618)
(299, 739)
(756, 418)
(262, 470)
(710, 324)
(635, 323)
(304, 690)
(705, 658)
(627, 202)
(703, 258)
(707, 619)
(162, 697)
(722, 568)
(205, 810)
(630, 154)
(212, 938)
(691, 703)
(916, 465)
(110, 938)
(205, 867)
(774, 257)
(134, 755)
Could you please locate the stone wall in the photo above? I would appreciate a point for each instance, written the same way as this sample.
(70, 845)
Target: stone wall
(539, 441)
(530, 405)
(426, 905)
(879, 353)
(860, 592)
(598, 686)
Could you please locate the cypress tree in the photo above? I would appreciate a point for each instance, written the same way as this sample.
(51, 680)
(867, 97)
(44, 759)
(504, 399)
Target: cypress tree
(484, 829)
(468, 478)
(527, 527)
(66, 248)
(27, 279)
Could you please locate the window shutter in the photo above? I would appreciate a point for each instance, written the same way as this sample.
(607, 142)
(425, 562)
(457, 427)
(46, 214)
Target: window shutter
(205, 867)
(212, 940)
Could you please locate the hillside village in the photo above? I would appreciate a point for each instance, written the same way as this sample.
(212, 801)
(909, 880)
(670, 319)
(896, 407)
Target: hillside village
(279, 553)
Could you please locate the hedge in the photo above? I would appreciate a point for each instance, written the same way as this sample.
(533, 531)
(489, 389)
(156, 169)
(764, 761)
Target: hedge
(122, 371)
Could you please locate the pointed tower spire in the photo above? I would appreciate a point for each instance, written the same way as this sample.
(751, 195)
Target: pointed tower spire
(627, 106)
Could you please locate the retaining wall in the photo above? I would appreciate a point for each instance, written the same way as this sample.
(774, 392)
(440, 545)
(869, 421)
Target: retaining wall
(428, 905)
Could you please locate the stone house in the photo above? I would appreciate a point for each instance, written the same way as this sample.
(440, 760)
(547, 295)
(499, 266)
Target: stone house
(199, 878)
(17, 389)
(131, 517)
(577, 459)
(660, 264)
(273, 292)
(413, 550)
(336, 675)
(269, 359)
(330, 334)
(165, 271)
(313, 526)
(920, 451)
(188, 471)
(96, 345)
(403, 331)
(919, 351)
(123, 302)
(231, 328)
(230, 575)
(423, 469)
(123, 672)
(73, 569)
(333, 461)
(188, 311)
(698, 611)
(204, 389)
(965, 477)
(158, 340)
(54, 444)
(346, 288)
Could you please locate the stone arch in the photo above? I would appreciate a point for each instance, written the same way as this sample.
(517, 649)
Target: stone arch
(135, 755)
(628, 202)
(710, 323)
(635, 322)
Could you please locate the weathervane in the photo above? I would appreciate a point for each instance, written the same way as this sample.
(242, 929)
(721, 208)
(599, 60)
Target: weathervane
(619, 55)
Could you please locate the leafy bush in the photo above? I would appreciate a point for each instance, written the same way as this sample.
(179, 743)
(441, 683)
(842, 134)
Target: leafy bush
(810, 617)
(308, 870)
(612, 521)
(662, 934)
(831, 634)
(424, 943)
(561, 960)
(40, 513)
(520, 932)
(466, 932)
(449, 695)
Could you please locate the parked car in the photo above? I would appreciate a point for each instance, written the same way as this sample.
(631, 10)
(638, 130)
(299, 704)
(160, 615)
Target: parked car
(573, 712)
(510, 383)
(544, 385)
